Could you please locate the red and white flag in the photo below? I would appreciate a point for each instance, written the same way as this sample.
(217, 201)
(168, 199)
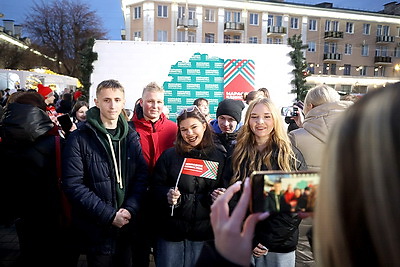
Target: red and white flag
(197, 167)
(201, 168)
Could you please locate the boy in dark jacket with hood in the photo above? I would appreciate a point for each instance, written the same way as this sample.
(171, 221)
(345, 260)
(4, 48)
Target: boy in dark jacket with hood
(105, 178)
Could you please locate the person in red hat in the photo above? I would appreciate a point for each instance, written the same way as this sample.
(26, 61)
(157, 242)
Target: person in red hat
(77, 94)
(49, 97)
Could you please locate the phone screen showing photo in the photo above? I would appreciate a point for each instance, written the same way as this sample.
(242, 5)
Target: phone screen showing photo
(278, 191)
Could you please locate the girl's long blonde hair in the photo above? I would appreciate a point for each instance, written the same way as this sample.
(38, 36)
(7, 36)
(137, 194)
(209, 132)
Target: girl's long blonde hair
(246, 158)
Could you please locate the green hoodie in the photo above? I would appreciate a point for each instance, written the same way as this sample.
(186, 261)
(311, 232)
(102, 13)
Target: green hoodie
(118, 142)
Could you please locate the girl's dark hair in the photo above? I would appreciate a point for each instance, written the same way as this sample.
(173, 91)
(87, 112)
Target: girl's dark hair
(77, 106)
(180, 144)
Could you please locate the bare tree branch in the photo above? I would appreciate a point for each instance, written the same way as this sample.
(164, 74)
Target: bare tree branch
(62, 28)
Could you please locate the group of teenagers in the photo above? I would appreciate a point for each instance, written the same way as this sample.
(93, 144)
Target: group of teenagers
(181, 189)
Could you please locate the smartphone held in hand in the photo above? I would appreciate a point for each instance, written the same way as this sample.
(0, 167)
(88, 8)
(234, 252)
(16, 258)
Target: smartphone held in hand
(65, 122)
(280, 191)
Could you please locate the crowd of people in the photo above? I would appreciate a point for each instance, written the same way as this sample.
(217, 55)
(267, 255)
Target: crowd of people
(120, 187)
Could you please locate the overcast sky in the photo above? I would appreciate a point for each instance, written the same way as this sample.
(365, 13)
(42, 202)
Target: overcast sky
(111, 14)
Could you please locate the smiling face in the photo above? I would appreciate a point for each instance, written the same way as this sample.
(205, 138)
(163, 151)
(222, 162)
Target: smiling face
(81, 113)
(261, 122)
(192, 131)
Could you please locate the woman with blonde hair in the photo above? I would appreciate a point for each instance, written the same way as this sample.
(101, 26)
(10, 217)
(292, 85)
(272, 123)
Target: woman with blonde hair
(263, 144)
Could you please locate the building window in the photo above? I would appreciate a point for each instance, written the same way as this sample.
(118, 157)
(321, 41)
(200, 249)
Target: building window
(137, 36)
(347, 69)
(331, 25)
(294, 23)
(236, 39)
(228, 16)
(137, 12)
(162, 11)
(192, 13)
(227, 38)
(181, 12)
(350, 27)
(364, 50)
(382, 30)
(396, 51)
(180, 37)
(191, 37)
(278, 41)
(312, 26)
(379, 71)
(333, 69)
(325, 69)
(209, 38)
(348, 49)
(311, 47)
(162, 36)
(363, 71)
(270, 20)
(381, 51)
(270, 40)
(236, 16)
(278, 21)
(253, 40)
(254, 19)
(275, 21)
(327, 25)
(366, 29)
(386, 30)
(232, 16)
(311, 68)
(210, 15)
(330, 48)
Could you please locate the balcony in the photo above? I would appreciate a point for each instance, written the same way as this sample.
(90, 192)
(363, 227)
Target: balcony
(234, 26)
(191, 23)
(333, 35)
(384, 39)
(383, 60)
(277, 30)
(332, 57)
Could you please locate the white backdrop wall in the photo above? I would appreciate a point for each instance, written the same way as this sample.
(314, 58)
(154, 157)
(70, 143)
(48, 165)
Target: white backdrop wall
(135, 64)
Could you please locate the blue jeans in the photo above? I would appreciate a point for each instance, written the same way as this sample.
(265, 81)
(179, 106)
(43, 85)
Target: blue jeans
(274, 259)
(177, 254)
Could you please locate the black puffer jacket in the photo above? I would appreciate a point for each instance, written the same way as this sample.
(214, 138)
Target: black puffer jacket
(89, 182)
(191, 218)
(30, 191)
(279, 232)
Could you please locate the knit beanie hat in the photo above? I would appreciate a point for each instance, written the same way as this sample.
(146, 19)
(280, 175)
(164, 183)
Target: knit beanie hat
(231, 107)
(44, 91)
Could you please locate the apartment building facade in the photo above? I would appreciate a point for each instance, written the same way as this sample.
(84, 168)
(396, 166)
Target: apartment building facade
(352, 50)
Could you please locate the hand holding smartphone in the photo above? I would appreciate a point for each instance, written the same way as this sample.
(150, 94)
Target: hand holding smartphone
(65, 122)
